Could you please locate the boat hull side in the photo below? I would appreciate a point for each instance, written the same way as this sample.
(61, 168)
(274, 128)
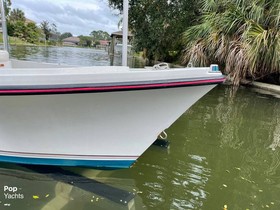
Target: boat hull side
(108, 129)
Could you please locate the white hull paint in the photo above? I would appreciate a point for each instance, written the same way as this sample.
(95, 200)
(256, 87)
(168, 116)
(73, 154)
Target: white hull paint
(91, 116)
(91, 126)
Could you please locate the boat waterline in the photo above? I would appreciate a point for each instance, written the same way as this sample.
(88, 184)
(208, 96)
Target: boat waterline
(102, 163)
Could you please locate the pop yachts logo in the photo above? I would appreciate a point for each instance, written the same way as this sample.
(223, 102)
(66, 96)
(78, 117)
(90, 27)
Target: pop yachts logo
(12, 193)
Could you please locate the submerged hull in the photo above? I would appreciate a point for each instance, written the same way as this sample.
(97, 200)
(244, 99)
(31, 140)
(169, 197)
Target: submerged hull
(107, 126)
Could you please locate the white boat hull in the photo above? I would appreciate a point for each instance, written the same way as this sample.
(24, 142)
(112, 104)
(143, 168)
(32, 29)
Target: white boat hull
(104, 129)
(91, 116)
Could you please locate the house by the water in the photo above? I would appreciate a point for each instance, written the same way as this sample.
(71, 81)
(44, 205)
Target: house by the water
(103, 44)
(71, 41)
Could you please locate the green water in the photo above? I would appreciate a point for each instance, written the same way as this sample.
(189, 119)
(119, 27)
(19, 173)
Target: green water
(70, 56)
(223, 151)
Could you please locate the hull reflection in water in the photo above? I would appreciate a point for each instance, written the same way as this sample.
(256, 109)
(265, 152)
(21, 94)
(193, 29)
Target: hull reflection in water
(64, 188)
(91, 116)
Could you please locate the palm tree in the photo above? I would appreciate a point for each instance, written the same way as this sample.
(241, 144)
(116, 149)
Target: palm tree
(17, 15)
(243, 36)
(7, 6)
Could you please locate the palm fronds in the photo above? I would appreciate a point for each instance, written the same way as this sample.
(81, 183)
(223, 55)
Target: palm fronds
(243, 36)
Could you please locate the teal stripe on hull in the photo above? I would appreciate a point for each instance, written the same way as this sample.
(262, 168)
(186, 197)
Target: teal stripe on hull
(110, 164)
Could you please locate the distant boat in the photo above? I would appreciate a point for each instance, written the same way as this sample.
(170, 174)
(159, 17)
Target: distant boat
(118, 49)
(104, 116)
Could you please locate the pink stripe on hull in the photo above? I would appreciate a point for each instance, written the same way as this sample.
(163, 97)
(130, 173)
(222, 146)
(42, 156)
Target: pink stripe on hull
(111, 88)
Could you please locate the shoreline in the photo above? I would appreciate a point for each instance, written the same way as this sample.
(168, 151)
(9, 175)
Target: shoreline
(261, 85)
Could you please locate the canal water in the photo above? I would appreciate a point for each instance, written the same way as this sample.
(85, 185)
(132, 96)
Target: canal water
(223, 154)
(70, 56)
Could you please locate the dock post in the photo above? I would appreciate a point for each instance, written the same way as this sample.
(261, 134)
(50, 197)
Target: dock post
(112, 50)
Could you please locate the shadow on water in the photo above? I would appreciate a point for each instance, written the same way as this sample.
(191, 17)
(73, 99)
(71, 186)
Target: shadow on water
(49, 188)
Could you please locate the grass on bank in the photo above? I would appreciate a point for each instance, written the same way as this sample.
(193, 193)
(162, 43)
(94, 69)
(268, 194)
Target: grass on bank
(15, 41)
(18, 41)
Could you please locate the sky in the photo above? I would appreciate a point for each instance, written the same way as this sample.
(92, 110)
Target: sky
(80, 17)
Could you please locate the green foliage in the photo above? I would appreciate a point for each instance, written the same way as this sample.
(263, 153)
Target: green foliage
(85, 41)
(17, 27)
(17, 15)
(7, 5)
(27, 32)
(243, 36)
(65, 35)
(48, 29)
(32, 33)
(158, 25)
(99, 35)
